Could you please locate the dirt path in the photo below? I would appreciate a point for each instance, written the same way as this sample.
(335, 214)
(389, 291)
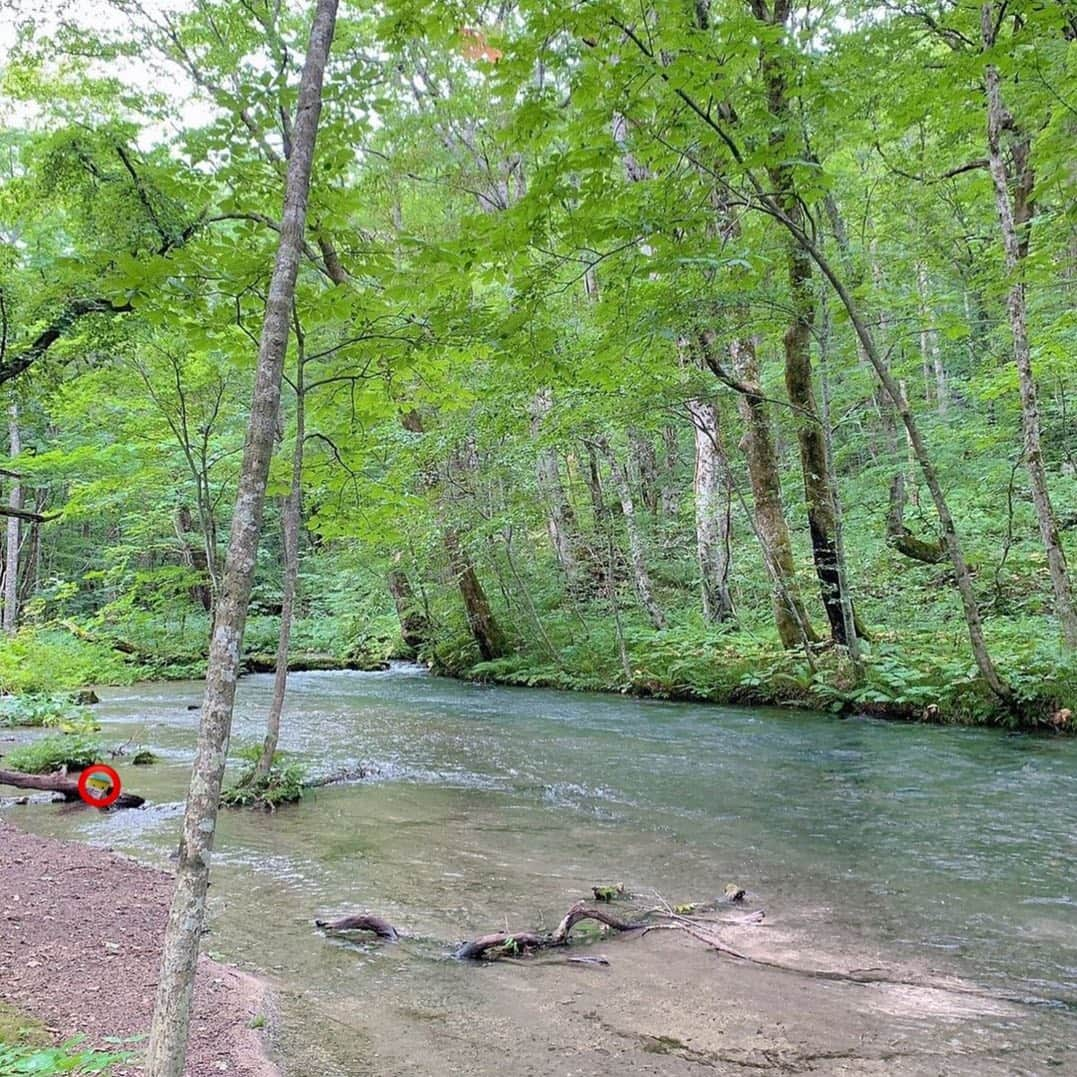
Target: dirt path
(80, 932)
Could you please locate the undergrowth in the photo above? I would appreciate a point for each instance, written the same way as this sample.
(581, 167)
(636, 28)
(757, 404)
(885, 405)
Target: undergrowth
(284, 784)
(74, 751)
(46, 711)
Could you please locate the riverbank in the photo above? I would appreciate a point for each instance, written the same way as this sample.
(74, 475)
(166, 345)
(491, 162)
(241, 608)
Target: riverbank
(919, 677)
(80, 948)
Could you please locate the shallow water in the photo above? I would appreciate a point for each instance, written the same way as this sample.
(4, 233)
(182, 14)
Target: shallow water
(945, 851)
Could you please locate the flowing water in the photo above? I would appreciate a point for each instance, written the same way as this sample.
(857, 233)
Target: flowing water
(933, 853)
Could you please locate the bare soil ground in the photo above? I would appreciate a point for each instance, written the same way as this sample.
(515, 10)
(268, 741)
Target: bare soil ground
(80, 934)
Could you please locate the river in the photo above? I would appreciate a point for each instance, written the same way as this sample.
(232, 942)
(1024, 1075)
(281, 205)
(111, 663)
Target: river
(934, 852)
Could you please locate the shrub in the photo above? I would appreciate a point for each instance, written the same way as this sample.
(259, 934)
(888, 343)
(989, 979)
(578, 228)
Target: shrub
(284, 784)
(74, 751)
(45, 661)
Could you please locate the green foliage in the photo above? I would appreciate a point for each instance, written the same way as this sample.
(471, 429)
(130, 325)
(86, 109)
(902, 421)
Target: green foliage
(52, 660)
(50, 712)
(284, 784)
(69, 1057)
(507, 240)
(75, 751)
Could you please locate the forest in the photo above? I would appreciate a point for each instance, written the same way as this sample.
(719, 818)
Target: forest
(708, 350)
(725, 354)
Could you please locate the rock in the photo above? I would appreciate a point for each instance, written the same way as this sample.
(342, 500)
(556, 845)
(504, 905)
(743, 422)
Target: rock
(86, 697)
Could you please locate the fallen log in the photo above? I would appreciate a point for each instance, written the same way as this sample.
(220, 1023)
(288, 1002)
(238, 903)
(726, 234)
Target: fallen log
(363, 922)
(58, 783)
(340, 778)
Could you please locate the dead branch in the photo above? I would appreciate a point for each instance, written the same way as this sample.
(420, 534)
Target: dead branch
(579, 912)
(362, 922)
(514, 943)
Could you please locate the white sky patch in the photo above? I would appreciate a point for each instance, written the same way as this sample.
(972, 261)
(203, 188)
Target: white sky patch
(152, 74)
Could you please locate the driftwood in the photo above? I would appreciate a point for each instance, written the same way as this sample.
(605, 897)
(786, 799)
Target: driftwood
(502, 943)
(58, 783)
(340, 777)
(363, 922)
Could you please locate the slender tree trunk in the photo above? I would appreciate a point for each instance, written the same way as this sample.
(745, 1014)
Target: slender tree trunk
(1014, 221)
(713, 505)
(167, 1049)
(930, 352)
(645, 465)
(789, 614)
(560, 516)
(963, 578)
(193, 558)
(636, 549)
(414, 626)
(291, 518)
(593, 477)
(480, 617)
(14, 534)
(31, 563)
(670, 497)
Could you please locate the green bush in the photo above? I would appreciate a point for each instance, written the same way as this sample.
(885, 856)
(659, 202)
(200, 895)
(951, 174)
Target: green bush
(75, 751)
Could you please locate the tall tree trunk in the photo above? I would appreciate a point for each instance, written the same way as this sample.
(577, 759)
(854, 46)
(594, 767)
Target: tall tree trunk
(713, 505)
(636, 549)
(480, 617)
(561, 522)
(291, 518)
(791, 618)
(930, 352)
(645, 465)
(820, 497)
(414, 627)
(31, 563)
(962, 576)
(167, 1049)
(1014, 218)
(194, 558)
(670, 495)
(593, 477)
(14, 533)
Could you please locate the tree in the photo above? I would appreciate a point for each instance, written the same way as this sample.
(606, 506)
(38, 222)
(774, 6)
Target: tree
(168, 1036)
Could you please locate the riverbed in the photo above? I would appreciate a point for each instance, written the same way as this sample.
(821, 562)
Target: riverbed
(939, 856)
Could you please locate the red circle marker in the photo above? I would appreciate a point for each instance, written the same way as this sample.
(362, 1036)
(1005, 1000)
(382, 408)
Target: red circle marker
(99, 785)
